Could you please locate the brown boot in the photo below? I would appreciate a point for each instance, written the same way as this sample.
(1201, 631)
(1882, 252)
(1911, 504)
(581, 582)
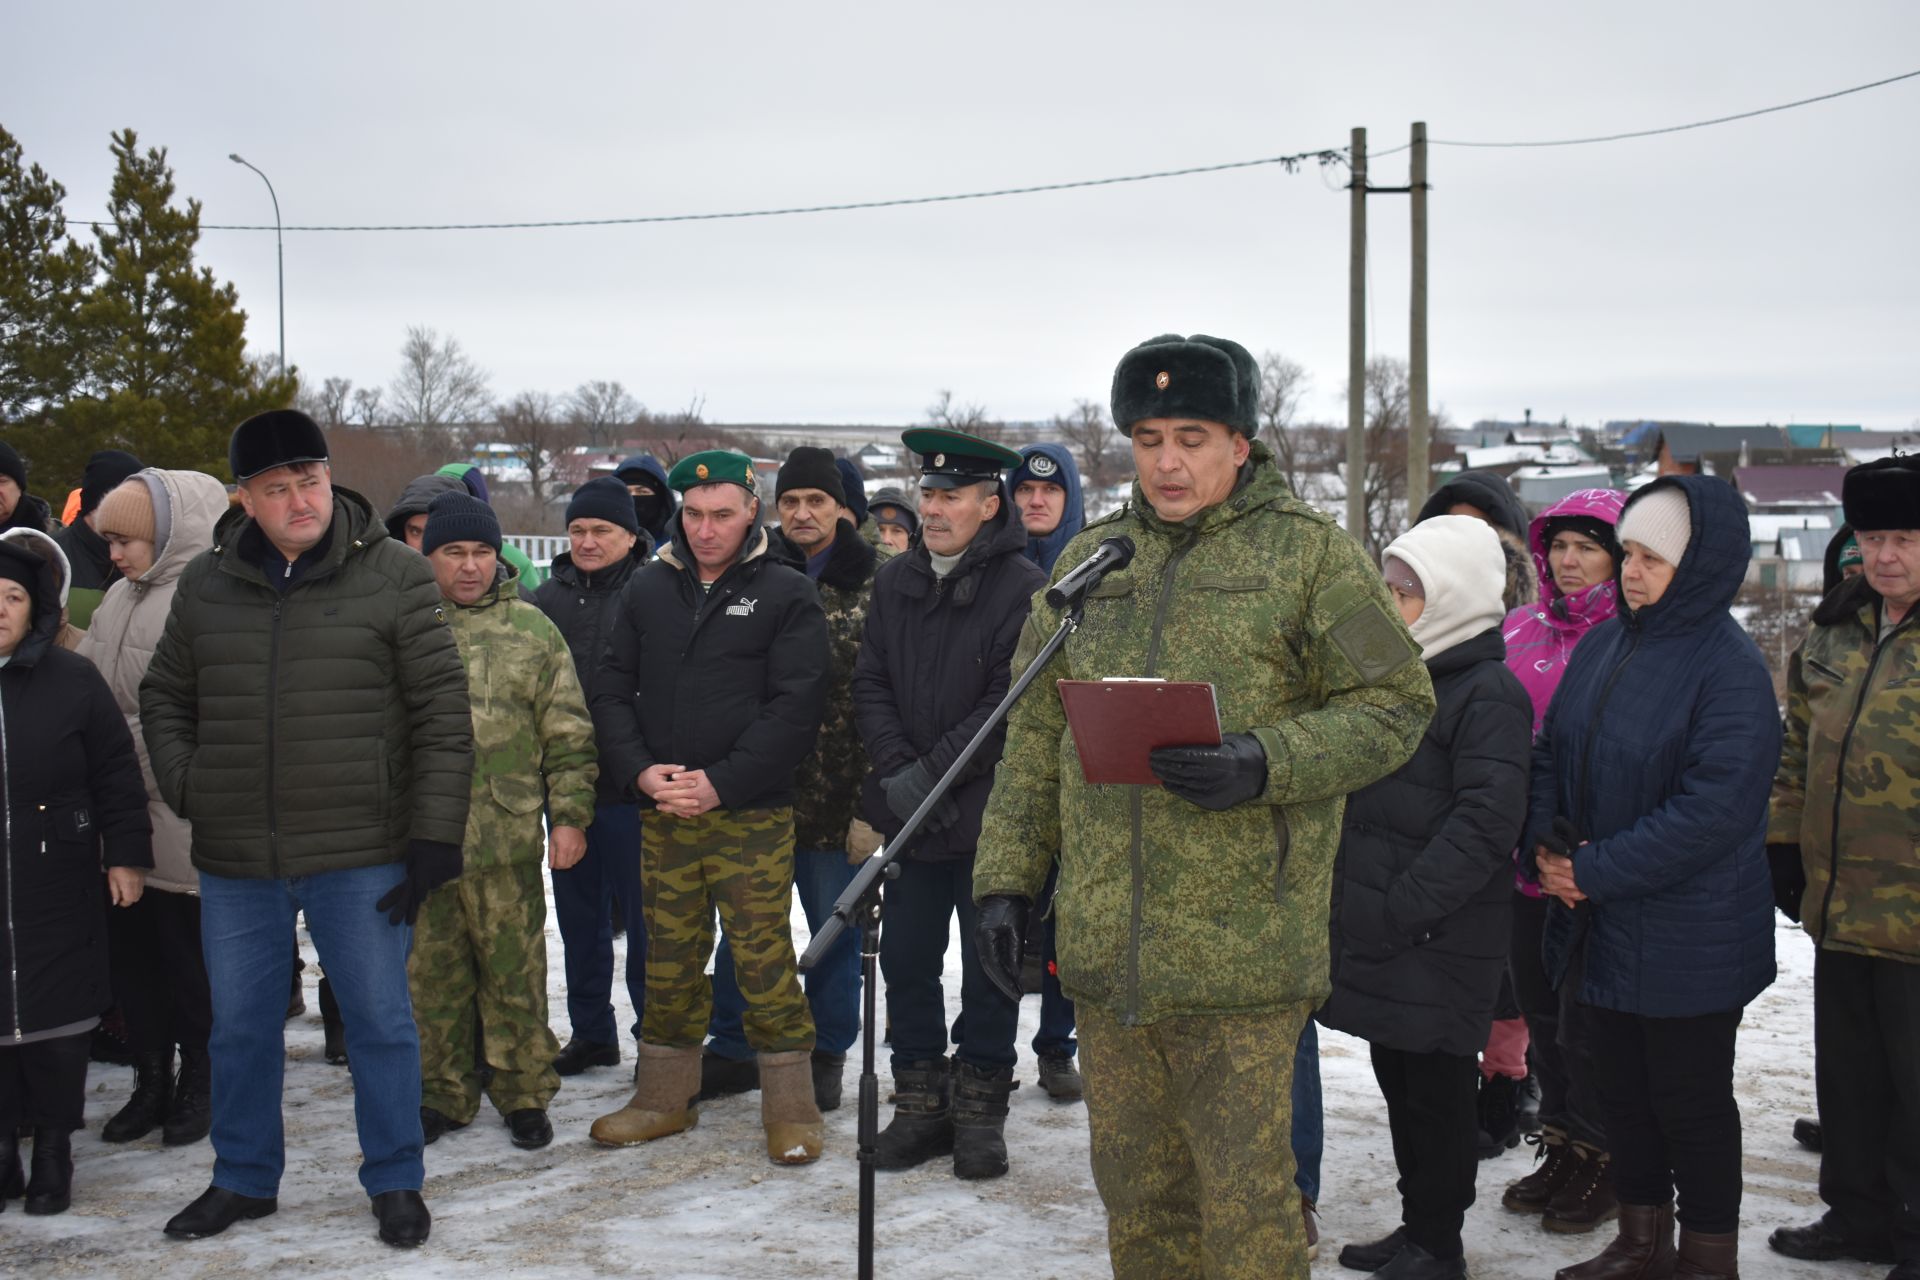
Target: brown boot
(1708, 1257)
(1643, 1249)
(1554, 1163)
(1585, 1199)
(788, 1110)
(662, 1103)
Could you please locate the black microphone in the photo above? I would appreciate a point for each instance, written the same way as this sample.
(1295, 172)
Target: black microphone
(1113, 553)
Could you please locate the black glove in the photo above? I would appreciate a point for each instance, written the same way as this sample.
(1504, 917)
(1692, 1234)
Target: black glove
(908, 789)
(1213, 777)
(430, 864)
(997, 935)
(1789, 878)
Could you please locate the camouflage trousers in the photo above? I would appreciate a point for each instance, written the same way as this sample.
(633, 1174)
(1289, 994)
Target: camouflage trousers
(480, 948)
(739, 862)
(1190, 1121)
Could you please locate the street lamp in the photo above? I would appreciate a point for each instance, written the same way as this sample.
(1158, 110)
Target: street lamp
(280, 257)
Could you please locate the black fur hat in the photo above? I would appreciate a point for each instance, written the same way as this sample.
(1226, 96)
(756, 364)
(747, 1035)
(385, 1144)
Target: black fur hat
(1213, 379)
(1883, 494)
(276, 438)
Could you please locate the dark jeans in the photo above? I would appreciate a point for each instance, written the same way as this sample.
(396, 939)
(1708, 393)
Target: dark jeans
(1866, 1054)
(1555, 1019)
(1054, 1036)
(1432, 1117)
(1309, 1120)
(833, 985)
(920, 907)
(1666, 1086)
(44, 1084)
(583, 897)
(160, 974)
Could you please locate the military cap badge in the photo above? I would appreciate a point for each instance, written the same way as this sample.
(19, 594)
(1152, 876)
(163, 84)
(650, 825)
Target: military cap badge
(1162, 379)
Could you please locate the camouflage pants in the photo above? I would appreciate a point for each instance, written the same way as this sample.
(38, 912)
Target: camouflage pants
(480, 945)
(1190, 1123)
(740, 862)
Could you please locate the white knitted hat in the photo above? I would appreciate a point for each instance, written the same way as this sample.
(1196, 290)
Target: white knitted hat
(1661, 521)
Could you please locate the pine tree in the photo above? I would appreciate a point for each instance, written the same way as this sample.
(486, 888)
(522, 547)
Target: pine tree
(43, 273)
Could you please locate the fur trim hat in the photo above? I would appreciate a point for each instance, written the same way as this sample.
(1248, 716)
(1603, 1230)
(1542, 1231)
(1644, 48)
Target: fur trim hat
(1212, 379)
(276, 438)
(1883, 494)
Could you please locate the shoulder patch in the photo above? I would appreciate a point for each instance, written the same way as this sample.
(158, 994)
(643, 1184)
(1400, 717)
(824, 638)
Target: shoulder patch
(1370, 641)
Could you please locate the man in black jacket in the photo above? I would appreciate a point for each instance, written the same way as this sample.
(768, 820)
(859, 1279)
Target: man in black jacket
(86, 550)
(710, 694)
(941, 631)
(605, 546)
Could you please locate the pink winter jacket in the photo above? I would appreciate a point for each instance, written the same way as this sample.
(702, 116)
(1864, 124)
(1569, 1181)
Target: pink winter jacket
(1540, 637)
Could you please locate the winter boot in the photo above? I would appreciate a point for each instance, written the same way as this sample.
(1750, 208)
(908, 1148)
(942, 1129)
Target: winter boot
(980, 1120)
(1708, 1257)
(1643, 1249)
(722, 1077)
(1585, 1200)
(1554, 1162)
(192, 1114)
(13, 1180)
(829, 1075)
(331, 1023)
(1499, 1115)
(1807, 1133)
(1061, 1078)
(1825, 1239)
(788, 1111)
(50, 1189)
(1415, 1263)
(1371, 1255)
(666, 1080)
(922, 1124)
(147, 1108)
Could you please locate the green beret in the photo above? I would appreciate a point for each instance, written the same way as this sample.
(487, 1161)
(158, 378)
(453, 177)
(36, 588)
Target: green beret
(1211, 379)
(714, 466)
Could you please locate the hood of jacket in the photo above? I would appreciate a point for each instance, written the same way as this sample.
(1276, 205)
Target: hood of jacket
(1591, 604)
(1830, 564)
(1709, 575)
(893, 496)
(1463, 570)
(1487, 490)
(667, 506)
(1073, 517)
(470, 476)
(415, 498)
(187, 505)
(49, 597)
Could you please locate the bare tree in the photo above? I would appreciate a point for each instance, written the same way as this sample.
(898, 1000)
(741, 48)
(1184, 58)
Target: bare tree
(541, 436)
(438, 384)
(1385, 481)
(367, 408)
(1096, 445)
(603, 410)
(1298, 450)
(329, 403)
(970, 418)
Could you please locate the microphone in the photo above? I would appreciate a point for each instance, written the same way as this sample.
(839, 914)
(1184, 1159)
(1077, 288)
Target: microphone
(1113, 553)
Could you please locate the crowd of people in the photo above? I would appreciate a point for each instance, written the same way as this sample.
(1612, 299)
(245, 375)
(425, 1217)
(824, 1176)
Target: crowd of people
(1515, 806)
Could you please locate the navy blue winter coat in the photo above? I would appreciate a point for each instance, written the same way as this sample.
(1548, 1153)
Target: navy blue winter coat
(1660, 746)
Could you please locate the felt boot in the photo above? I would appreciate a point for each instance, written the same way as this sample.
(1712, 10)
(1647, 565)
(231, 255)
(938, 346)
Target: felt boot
(665, 1082)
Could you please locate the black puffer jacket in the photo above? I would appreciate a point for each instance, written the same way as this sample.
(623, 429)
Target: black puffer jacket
(88, 557)
(1422, 889)
(31, 513)
(730, 679)
(933, 665)
(316, 730)
(583, 605)
(74, 802)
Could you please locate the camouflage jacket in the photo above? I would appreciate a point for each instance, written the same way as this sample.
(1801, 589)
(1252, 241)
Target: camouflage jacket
(1848, 789)
(1165, 908)
(826, 786)
(532, 739)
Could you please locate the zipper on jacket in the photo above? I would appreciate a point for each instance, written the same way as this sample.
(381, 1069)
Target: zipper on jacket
(6, 801)
(1840, 770)
(1593, 733)
(273, 704)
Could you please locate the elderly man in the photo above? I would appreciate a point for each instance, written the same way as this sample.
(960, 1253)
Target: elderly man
(1193, 915)
(1842, 843)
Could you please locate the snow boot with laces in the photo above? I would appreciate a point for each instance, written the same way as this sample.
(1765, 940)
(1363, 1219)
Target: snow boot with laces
(1554, 1162)
(146, 1110)
(1586, 1199)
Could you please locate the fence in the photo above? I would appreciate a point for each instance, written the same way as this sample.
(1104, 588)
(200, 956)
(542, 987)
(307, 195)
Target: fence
(540, 548)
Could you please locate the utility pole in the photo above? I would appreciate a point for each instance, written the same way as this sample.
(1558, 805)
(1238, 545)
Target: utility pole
(1357, 345)
(1419, 467)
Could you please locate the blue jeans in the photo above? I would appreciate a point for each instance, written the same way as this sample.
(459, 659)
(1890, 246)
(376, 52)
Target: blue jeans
(833, 985)
(1309, 1124)
(583, 895)
(246, 930)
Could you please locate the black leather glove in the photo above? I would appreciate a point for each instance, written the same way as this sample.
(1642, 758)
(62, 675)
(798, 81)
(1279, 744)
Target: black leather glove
(1213, 777)
(1789, 878)
(997, 935)
(908, 789)
(430, 864)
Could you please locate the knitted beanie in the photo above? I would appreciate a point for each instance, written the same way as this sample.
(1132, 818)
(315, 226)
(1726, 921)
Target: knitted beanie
(459, 517)
(126, 510)
(604, 498)
(1660, 520)
(810, 467)
(12, 466)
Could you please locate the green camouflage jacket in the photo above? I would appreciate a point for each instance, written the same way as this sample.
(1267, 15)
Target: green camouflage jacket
(1848, 789)
(1165, 908)
(532, 738)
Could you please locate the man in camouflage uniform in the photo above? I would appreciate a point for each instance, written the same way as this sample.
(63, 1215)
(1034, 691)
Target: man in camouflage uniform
(481, 944)
(817, 524)
(710, 695)
(1842, 843)
(1193, 917)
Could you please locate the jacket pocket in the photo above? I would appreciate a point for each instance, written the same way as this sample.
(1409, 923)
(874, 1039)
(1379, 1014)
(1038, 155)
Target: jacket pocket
(517, 795)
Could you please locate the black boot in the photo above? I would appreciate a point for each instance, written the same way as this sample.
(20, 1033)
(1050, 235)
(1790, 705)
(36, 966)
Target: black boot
(331, 1024)
(13, 1180)
(1499, 1115)
(922, 1124)
(192, 1115)
(1371, 1255)
(1415, 1263)
(152, 1095)
(829, 1073)
(980, 1120)
(216, 1209)
(1529, 1104)
(50, 1188)
(1807, 1133)
(580, 1055)
(722, 1077)
(404, 1220)
(297, 997)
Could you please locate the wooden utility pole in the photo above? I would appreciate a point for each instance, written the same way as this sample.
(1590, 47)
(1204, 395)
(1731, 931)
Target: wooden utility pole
(1357, 346)
(1419, 469)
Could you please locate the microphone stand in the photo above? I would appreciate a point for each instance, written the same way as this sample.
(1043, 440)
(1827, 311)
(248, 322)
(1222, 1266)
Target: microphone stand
(860, 905)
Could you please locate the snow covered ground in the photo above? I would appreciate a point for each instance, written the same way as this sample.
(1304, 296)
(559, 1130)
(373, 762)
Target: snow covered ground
(709, 1204)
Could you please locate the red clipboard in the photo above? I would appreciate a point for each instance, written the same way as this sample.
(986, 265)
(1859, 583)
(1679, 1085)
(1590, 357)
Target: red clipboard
(1116, 723)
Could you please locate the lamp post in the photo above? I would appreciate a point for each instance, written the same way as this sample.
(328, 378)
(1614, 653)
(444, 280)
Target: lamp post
(280, 259)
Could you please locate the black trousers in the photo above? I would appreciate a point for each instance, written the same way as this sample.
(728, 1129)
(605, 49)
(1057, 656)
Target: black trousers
(44, 1084)
(1866, 1054)
(1666, 1087)
(159, 974)
(914, 929)
(1432, 1118)
(1568, 1098)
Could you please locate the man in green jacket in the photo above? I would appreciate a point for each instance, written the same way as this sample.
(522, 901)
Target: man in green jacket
(307, 712)
(1841, 838)
(480, 947)
(1192, 916)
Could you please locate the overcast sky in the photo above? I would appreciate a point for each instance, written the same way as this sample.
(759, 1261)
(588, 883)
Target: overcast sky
(1765, 270)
